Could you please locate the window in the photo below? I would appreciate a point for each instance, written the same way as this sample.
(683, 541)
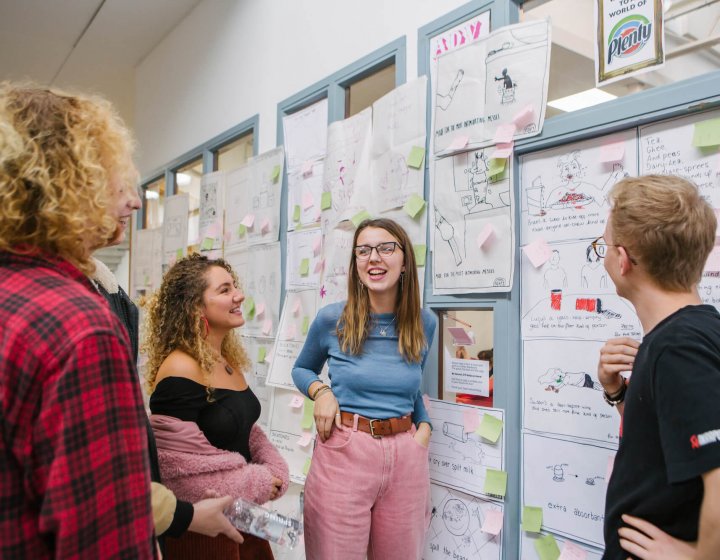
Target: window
(236, 153)
(153, 197)
(364, 92)
(187, 180)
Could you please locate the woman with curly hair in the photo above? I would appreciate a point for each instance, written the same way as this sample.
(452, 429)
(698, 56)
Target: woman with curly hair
(368, 489)
(203, 412)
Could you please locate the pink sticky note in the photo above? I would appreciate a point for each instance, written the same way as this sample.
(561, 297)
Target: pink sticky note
(248, 220)
(426, 402)
(307, 200)
(227, 236)
(504, 133)
(307, 167)
(613, 151)
(267, 328)
(213, 230)
(713, 261)
(486, 233)
(502, 151)
(265, 226)
(296, 307)
(259, 309)
(538, 252)
(458, 143)
(297, 401)
(524, 117)
(319, 265)
(317, 245)
(571, 551)
(305, 439)
(471, 419)
(291, 331)
(493, 522)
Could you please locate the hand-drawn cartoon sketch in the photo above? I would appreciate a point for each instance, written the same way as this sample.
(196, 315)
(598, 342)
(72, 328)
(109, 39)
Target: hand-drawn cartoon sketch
(576, 193)
(447, 232)
(555, 277)
(472, 450)
(556, 379)
(444, 100)
(507, 88)
(593, 274)
(559, 472)
(456, 525)
(454, 431)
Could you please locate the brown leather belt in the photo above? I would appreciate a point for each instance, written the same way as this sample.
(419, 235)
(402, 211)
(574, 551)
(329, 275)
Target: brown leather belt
(378, 428)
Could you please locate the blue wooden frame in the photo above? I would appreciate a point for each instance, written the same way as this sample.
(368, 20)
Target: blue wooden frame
(333, 88)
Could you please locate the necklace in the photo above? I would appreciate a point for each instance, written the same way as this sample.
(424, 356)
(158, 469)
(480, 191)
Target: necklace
(383, 329)
(227, 366)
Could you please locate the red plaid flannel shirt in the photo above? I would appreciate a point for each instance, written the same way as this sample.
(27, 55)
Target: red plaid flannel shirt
(74, 471)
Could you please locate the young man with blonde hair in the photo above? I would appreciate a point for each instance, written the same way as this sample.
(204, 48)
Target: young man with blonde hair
(664, 493)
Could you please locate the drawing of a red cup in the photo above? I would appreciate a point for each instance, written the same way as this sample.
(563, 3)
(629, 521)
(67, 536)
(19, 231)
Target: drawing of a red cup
(555, 299)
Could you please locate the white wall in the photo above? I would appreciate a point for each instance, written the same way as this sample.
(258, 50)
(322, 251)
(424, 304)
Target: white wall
(228, 60)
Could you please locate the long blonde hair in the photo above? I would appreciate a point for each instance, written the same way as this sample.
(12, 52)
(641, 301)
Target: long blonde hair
(353, 326)
(57, 153)
(174, 321)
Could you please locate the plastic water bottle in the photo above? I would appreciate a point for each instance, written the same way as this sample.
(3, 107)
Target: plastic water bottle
(269, 525)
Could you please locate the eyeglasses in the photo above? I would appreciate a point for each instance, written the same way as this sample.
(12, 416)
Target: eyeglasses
(363, 252)
(600, 248)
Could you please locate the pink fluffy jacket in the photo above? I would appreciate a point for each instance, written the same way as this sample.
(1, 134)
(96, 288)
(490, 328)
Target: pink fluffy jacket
(190, 465)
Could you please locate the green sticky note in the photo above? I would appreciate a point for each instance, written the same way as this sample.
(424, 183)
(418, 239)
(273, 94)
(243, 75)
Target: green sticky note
(489, 428)
(249, 310)
(496, 166)
(296, 213)
(325, 200)
(499, 177)
(207, 244)
(532, 519)
(416, 157)
(305, 324)
(707, 133)
(495, 482)
(241, 230)
(414, 205)
(304, 267)
(307, 419)
(361, 216)
(420, 251)
(547, 548)
(275, 174)
(306, 466)
(262, 351)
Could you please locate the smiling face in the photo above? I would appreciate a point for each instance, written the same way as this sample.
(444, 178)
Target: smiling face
(222, 300)
(125, 201)
(380, 274)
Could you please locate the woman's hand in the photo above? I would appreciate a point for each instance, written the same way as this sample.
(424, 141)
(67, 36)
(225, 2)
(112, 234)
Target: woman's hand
(648, 542)
(276, 486)
(327, 412)
(422, 436)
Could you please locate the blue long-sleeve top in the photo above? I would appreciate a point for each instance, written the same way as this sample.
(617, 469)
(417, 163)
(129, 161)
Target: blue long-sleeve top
(377, 383)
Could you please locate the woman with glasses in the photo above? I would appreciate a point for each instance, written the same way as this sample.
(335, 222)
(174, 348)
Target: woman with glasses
(367, 491)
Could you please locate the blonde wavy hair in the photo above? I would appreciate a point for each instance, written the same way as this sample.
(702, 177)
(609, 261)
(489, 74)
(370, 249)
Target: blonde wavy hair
(57, 155)
(353, 326)
(664, 222)
(174, 321)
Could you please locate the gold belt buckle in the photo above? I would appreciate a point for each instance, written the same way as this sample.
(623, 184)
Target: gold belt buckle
(372, 429)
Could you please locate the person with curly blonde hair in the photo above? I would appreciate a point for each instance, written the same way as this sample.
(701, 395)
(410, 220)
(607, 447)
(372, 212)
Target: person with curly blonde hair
(74, 476)
(203, 412)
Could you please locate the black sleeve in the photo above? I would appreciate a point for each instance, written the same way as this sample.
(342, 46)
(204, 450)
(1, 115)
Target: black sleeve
(687, 393)
(181, 520)
(178, 397)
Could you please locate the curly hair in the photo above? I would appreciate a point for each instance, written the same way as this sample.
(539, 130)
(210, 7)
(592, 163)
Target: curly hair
(174, 321)
(57, 155)
(353, 326)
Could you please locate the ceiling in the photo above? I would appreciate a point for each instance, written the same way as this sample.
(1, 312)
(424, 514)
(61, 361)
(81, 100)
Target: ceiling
(90, 45)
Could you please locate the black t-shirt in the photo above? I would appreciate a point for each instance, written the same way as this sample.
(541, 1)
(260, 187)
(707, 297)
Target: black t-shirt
(226, 421)
(671, 428)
